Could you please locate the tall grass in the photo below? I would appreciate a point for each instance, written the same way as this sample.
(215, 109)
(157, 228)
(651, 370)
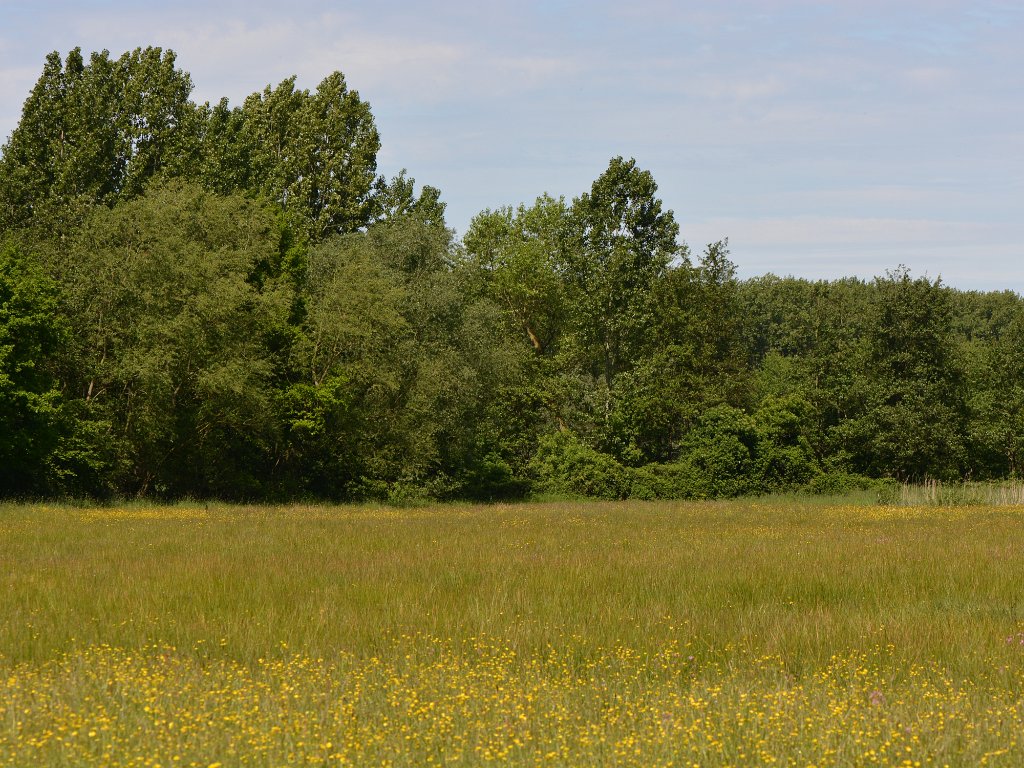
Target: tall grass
(574, 633)
(938, 494)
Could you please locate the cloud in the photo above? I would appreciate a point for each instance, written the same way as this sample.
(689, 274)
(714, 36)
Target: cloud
(860, 232)
(532, 70)
(15, 85)
(967, 254)
(235, 54)
(814, 134)
(739, 88)
(929, 78)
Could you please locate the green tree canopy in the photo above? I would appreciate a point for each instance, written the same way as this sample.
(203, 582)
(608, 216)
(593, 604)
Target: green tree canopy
(312, 153)
(912, 413)
(625, 242)
(173, 352)
(94, 133)
(32, 331)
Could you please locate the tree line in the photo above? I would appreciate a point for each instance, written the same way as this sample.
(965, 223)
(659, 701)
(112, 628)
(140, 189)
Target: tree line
(217, 301)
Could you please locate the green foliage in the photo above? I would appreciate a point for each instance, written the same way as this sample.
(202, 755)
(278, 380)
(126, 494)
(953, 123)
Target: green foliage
(785, 457)
(172, 349)
(722, 451)
(624, 243)
(95, 133)
(516, 259)
(98, 132)
(654, 406)
(343, 366)
(692, 361)
(911, 410)
(397, 198)
(315, 154)
(31, 333)
(993, 356)
(565, 465)
(228, 301)
(679, 480)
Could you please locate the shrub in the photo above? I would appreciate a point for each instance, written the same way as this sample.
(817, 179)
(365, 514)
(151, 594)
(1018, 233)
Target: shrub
(666, 481)
(564, 464)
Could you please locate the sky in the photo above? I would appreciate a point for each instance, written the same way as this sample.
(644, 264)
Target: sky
(824, 139)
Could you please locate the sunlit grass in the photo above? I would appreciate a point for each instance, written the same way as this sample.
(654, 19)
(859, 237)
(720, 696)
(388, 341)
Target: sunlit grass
(789, 631)
(935, 493)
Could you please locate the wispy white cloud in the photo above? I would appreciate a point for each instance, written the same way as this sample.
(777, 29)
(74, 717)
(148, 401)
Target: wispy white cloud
(531, 71)
(237, 55)
(964, 253)
(811, 133)
(861, 232)
(929, 78)
(396, 63)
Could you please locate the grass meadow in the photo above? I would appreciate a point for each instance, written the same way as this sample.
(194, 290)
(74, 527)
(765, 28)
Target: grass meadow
(785, 632)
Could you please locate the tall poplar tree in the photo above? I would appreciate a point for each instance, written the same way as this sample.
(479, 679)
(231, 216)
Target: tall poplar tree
(625, 242)
(312, 153)
(94, 133)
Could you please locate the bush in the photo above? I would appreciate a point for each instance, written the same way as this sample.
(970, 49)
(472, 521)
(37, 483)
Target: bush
(32, 332)
(493, 479)
(564, 464)
(666, 481)
(720, 453)
(784, 456)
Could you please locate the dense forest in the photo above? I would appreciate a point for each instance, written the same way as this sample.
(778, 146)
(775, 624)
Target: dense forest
(217, 301)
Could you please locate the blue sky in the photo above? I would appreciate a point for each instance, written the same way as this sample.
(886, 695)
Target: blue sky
(824, 139)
